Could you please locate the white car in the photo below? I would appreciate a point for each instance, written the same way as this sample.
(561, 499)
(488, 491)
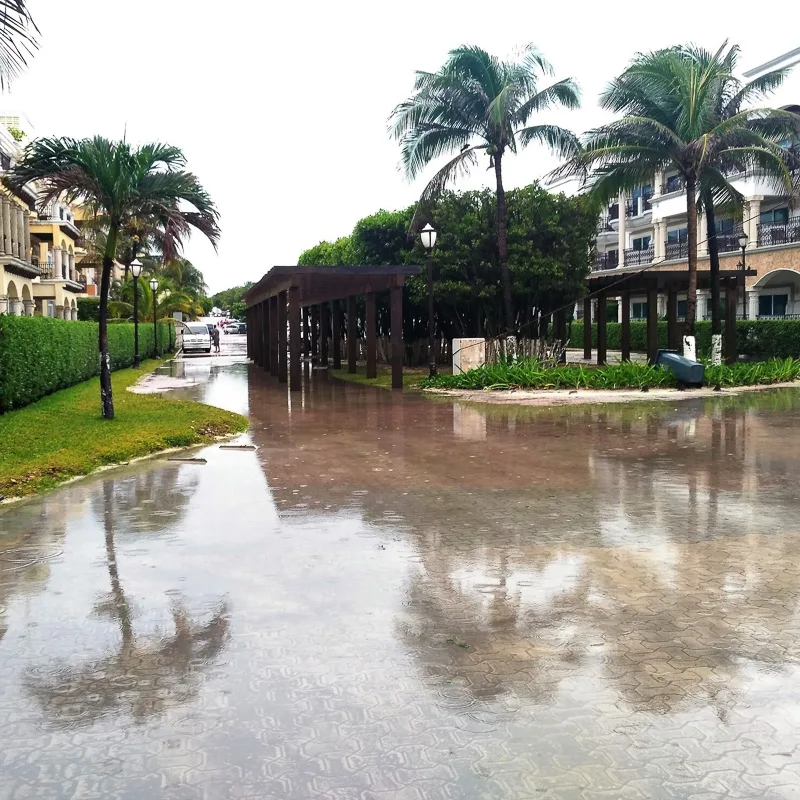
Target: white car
(196, 337)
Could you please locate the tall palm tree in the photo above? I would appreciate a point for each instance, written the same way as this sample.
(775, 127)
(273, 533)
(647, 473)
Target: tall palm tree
(669, 99)
(17, 38)
(122, 183)
(477, 103)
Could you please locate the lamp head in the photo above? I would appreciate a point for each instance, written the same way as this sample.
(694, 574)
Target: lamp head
(428, 236)
(136, 268)
(154, 283)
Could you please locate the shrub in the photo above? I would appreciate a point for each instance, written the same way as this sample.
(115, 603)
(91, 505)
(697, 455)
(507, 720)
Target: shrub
(40, 355)
(89, 309)
(757, 338)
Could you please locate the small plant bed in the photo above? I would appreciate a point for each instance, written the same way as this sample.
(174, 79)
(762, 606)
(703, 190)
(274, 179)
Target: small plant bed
(532, 374)
(411, 376)
(63, 435)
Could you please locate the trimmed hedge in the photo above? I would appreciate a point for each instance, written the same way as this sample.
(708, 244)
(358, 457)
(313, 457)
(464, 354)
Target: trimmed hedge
(40, 355)
(759, 338)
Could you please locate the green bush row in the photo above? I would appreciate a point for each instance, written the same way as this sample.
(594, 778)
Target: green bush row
(759, 338)
(40, 355)
(89, 309)
(533, 374)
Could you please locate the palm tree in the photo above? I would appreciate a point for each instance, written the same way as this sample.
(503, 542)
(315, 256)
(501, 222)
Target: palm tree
(170, 298)
(122, 183)
(475, 103)
(671, 121)
(17, 38)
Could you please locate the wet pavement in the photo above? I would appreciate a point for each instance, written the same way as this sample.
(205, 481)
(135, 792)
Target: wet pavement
(395, 597)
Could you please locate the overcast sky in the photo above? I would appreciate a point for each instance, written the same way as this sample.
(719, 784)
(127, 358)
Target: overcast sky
(281, 108)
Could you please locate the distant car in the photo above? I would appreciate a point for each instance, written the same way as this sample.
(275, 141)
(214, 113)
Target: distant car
(235, 327)
(196, 337)
(242, 327)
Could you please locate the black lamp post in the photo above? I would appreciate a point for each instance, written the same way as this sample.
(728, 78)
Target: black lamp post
(428, 236)
(743, 266)
(136, 271)
(154, 286)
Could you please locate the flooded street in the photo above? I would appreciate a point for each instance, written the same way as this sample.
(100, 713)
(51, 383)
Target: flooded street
(396, 597)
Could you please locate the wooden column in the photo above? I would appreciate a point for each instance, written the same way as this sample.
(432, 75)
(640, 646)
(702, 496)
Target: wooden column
(626, 326)
(265, 330)
(306, 332)
(324, 332)
(315, 334)
(295, 365)
(250, 333)
(652, 325)
(274, 327)
(673, 335)
(731, 345)
(352, 335)
(560, 332)
(587, 327)
(337, 335)
(372, 340)
(396, 304)
(602, 340)
(283, 372)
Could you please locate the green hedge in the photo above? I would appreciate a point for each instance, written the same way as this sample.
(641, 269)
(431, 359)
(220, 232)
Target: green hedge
(759, 338)
(40, 355)
(89, 309)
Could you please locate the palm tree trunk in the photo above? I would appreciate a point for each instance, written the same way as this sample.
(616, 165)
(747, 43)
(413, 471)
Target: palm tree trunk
(691, 298)
(106, 397)
(502, 246)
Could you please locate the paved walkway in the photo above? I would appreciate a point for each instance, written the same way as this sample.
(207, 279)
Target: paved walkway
(394, 597)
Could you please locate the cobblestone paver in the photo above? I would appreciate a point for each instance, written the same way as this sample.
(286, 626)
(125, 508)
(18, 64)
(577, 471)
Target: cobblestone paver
(393, 598)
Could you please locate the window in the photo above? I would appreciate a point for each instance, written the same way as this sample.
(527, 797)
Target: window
(673, 184)
(776, 216)
(197, 328)
(61, 212)
(724, 226)
(709, 309)
(639, 310)
(641, 243)
(681, 309)
(772, 305)
(679, 236)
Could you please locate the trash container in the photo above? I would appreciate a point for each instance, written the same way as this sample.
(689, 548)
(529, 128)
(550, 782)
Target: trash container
(686, 371)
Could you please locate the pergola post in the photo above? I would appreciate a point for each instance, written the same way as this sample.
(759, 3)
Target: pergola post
(337, 335)
(587, 328)
(396, 305)
(560, 333)
(731, 345)
(295, 367)
(259, 335)
(265, 332)
(602, 341)
(250, 332)
(372, 341)
(352, 334)
(652, 324)
(314, 334)
(274, 328)
(283, 372)
(673, 336)
(306, 332)
(626, 326)
(325, 326)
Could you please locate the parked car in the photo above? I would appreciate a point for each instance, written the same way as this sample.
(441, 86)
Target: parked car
(235, 327)
(196, 337)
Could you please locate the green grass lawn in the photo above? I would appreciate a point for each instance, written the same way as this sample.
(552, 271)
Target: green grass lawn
(411, 376)
(63, 435)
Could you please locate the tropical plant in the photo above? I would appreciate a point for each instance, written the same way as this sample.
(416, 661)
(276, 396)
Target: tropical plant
(122, 183)
(169, 299)
(17, 39)
(478, 103)
(672, 121)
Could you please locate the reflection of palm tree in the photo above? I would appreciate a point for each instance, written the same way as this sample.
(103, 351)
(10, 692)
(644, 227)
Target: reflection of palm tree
(145, 676)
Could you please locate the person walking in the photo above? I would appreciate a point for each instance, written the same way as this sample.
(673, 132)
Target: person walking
(215, 338)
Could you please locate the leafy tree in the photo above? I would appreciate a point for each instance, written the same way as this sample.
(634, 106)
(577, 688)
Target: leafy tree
(121, 183)
(477, 103)
(328, 254)
(228, 297)
(670, 102)
(382, 238)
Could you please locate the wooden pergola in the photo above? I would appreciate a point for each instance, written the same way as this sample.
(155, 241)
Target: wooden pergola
(276, 304)
(651, 283)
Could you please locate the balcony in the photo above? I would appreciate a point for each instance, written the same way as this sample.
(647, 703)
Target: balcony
(673, 184)
(613, 211)
(775, 233)
(636, 257)
(60, 216)
(676, 250)
(604, 261)
(728, 242)
(638, 205)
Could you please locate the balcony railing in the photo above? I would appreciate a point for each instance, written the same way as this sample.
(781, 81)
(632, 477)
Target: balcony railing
(676, 250)
(674, 184)
(778, 316)
(638, 205)
(728, 242)
(606, 261)
(774, 233)
(636, 257)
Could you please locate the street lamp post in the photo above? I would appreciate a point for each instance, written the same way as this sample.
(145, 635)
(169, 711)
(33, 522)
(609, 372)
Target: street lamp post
(743, 266)
(428, 236)
(154, 286)
(136, 271)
